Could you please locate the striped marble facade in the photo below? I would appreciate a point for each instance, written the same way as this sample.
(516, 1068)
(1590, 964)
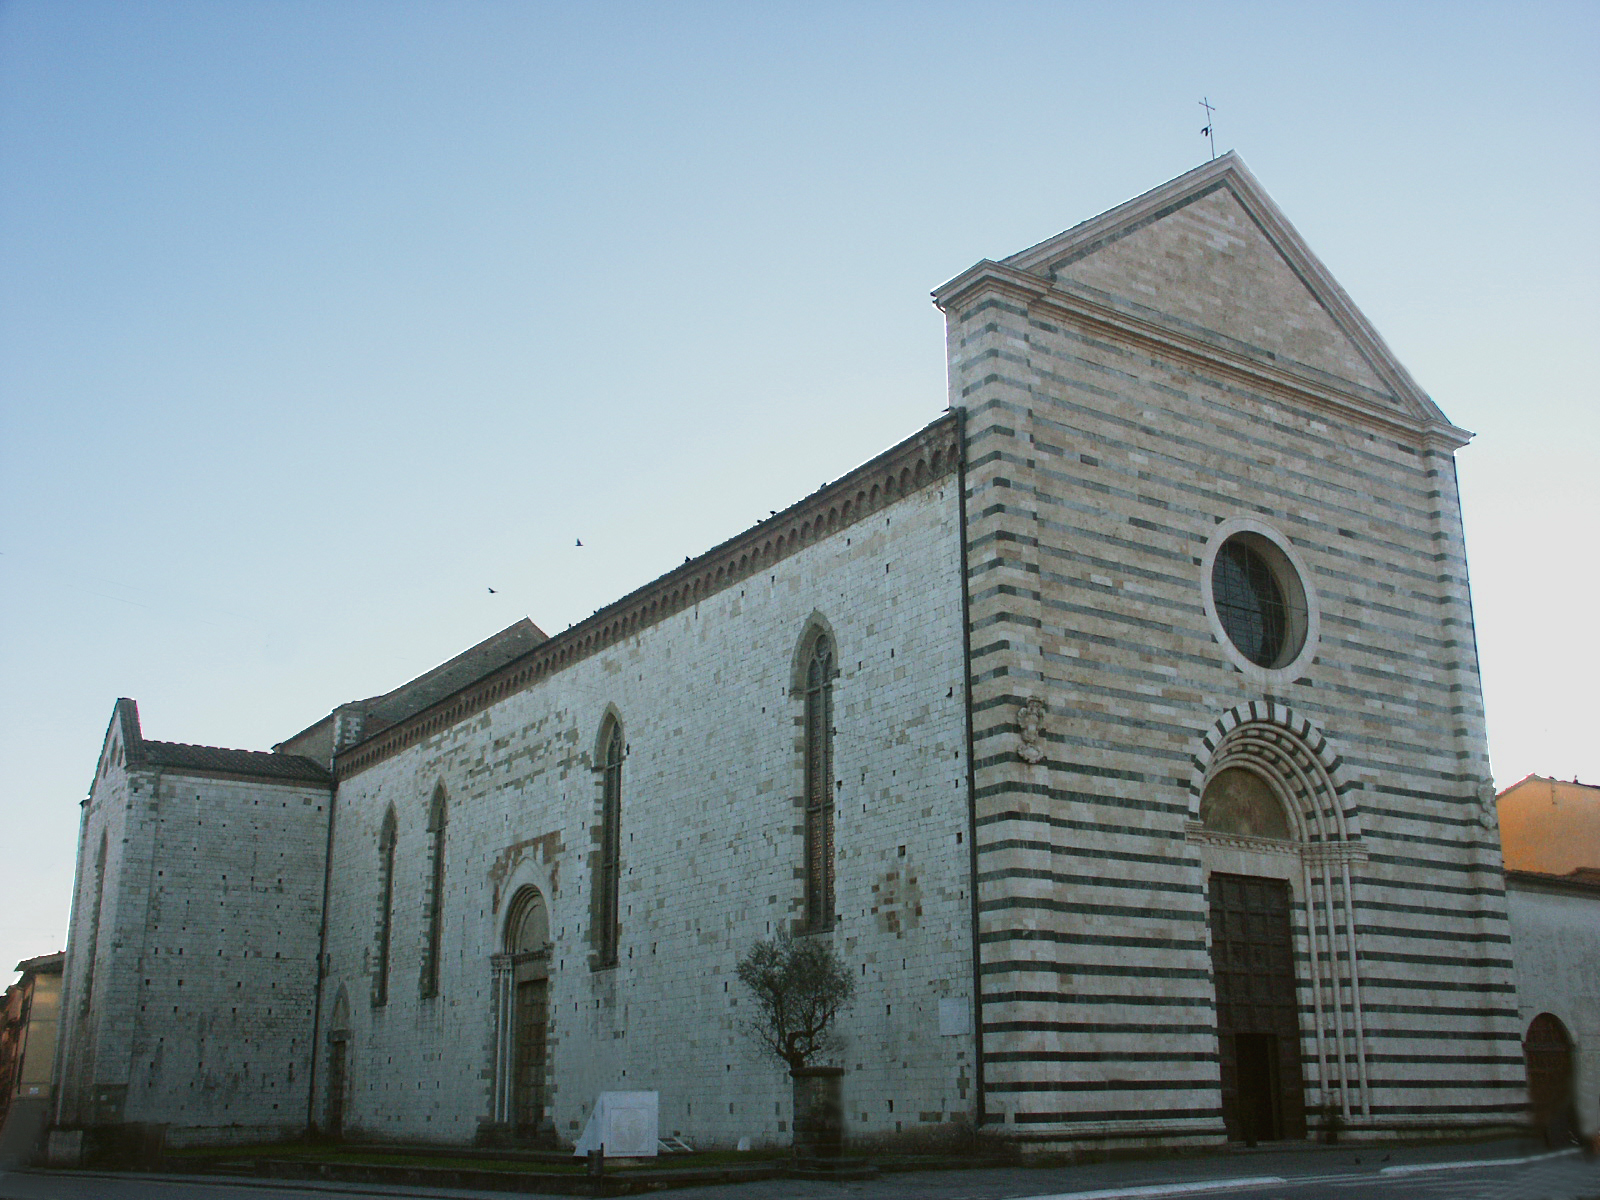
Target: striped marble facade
(1134, 388)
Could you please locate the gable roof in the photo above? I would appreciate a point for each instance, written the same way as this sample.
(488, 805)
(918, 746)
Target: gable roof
(378, 713)
(44, 964)
(180, 756)
(1349, 362)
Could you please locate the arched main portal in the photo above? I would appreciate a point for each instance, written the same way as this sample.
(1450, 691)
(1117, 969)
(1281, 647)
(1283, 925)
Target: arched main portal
(522, 1009)
(1547, 1053)
(1276, 842)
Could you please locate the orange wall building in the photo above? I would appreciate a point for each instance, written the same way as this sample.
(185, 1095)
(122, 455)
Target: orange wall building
(1550, 832)
(1549, 826)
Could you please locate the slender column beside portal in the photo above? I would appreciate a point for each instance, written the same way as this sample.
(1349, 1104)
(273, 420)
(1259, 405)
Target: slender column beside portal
(505, 1025)
(1355, 988)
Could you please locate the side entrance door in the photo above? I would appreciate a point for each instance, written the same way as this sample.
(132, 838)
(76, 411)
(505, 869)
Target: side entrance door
(336, 1085)
(1548, 1053)
(533, 1020)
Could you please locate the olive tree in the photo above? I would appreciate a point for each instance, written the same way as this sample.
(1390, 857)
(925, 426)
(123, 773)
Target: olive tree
(799, 985)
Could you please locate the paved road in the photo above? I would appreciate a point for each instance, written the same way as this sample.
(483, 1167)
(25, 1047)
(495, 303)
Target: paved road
(1431, 1174)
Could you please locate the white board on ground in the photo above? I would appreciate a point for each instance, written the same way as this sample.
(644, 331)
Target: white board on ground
(623, 1124)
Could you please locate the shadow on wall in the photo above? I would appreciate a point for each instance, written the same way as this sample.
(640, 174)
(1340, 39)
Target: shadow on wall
(22, 1134)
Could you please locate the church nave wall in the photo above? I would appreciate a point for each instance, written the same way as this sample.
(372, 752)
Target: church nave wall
(712, 848)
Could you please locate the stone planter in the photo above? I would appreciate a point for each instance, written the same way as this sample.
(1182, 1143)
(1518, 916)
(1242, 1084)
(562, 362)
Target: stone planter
(818, 1112)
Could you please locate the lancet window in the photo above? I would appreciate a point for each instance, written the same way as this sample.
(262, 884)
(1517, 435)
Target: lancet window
(607, 876)
(433, 943)
(819, 782)
(380, 974)
(94, 921)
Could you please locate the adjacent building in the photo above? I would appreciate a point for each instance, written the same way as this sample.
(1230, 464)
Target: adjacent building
(28, 1029)
(1550, 830)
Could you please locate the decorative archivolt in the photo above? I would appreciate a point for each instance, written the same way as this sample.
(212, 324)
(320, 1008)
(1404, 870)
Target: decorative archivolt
(524, 957)
(1289, 752)
(1266, 781)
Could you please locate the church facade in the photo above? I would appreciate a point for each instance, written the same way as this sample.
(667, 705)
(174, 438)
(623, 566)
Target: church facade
(1121, 730)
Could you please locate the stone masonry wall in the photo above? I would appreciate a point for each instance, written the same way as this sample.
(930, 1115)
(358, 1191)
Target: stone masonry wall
(1556, 926)
(202, 998)
(228, 957)
(1101, 460)
(711, 851)
(92, 972)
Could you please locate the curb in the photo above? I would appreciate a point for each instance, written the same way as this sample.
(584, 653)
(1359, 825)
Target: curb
(1467, 1163)
(213, 1180)
(1166, 1189)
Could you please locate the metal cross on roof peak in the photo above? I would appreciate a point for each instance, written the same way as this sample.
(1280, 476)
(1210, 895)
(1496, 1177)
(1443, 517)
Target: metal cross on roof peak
(1210, 131)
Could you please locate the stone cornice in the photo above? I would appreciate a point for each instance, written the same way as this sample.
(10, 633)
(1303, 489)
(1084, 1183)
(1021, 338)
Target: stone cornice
(1193, 831)
(1569, 885)
(1036, 293)
(157, 771)
(916, 463)
(1333, 854)
(1313, 853)
(1031, 272)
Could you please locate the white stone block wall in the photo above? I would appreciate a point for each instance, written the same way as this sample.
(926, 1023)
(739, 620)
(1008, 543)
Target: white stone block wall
(202, 999)
(227, 964)
(1556, 930)
(712, 847)
(95, 1002)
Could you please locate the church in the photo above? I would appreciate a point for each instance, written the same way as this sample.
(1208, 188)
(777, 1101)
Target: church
(1121, 731)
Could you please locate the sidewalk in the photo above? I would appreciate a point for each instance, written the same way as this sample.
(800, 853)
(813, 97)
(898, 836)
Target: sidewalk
(1515, 1170)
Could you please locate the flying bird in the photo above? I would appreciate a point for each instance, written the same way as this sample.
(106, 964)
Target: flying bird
(580, 541)
(491, 591)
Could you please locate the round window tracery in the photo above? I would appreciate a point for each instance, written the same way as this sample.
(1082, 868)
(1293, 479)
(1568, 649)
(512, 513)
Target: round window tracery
(1259, 600)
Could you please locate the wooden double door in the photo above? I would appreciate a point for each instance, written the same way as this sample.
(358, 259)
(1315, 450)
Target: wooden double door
(1258, 1026)
(338, 1083)
(532, 1043)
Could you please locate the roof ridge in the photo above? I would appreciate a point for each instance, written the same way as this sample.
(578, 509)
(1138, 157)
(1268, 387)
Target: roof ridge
(1228, 171)
(223, 749)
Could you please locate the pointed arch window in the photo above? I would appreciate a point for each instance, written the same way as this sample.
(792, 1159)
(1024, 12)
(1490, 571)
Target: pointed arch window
(433, 944)
(386, 841)
(607, 876)
(819, 782)
(94, 922)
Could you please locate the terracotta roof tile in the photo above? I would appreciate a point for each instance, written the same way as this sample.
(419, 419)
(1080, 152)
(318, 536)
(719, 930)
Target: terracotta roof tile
(233, 762)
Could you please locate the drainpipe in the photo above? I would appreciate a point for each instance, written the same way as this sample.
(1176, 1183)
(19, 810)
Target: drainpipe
(322, 953)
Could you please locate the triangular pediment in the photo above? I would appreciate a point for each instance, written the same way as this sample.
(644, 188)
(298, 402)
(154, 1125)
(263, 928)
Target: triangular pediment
(1209, 257)
(123, 741)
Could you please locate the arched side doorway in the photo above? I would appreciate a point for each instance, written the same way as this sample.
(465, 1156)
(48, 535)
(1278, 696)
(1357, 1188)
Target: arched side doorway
(522, 1019)
(1547, 1053)
(338, 1066)
(1276, 843)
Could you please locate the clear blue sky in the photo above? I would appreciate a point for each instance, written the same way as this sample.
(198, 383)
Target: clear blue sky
(318, 319)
